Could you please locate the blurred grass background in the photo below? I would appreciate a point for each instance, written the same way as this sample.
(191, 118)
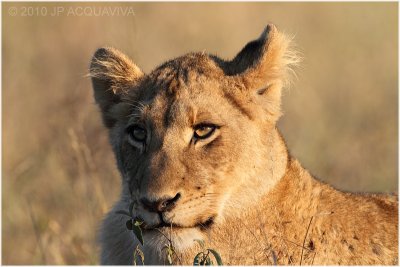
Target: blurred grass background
(59, 175)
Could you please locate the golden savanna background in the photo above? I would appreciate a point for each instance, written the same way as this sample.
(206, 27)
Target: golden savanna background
(59, 176)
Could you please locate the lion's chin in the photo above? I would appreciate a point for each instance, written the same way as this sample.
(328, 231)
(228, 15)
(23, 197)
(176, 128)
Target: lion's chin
(182, 238)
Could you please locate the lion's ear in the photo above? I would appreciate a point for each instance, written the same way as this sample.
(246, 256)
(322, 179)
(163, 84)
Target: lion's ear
(113, 75)
(264, 66)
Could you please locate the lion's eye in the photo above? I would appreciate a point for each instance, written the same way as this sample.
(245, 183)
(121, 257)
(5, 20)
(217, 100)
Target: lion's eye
(204, 131)
(137, 133)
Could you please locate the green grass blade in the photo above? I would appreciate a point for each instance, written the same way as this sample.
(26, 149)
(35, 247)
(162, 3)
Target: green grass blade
(138, 233)
(131, 209)
(201, 242)
(216, 256)
(196, 261)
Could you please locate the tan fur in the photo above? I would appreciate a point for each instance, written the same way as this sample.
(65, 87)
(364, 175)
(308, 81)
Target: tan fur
(240, 190)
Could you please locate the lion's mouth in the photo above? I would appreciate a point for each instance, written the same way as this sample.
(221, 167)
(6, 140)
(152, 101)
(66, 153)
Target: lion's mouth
(205, 225)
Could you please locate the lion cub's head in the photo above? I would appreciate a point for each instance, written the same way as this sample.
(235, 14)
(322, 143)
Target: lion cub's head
(195, 139)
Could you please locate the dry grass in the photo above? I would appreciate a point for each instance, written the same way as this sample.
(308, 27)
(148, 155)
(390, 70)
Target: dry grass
(59, 175)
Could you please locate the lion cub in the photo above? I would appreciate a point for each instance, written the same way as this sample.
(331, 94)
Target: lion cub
(200, 156)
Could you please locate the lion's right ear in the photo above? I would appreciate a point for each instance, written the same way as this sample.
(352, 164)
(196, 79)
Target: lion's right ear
(264, 66)
(113, 75)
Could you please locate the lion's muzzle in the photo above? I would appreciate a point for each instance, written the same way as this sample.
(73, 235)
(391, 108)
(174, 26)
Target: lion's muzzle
(160, 205)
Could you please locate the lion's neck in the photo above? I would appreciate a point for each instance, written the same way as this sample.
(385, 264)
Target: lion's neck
(283, 198)
(293, 196)
(271, 221)
(262, 178)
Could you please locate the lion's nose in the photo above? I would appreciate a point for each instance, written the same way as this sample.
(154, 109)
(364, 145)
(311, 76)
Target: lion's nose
(161, 205)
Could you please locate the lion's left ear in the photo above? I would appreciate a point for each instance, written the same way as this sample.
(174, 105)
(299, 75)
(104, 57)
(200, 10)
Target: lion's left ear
(264, 66)
(113, 76)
